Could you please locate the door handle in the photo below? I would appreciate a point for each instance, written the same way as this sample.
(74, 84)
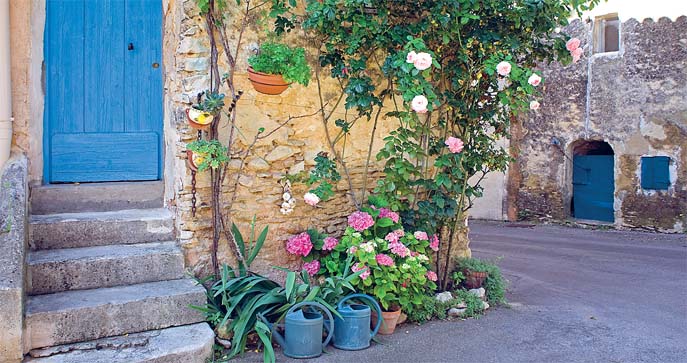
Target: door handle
(131, 46)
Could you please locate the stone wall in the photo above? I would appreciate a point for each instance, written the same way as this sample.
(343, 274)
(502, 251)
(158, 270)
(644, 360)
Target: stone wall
(636, 101)
(13, 242)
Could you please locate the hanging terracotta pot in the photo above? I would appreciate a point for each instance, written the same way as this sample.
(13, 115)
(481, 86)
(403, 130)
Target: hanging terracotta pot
(389, 322)
(269, 84)
(199, 119)
(193, 160)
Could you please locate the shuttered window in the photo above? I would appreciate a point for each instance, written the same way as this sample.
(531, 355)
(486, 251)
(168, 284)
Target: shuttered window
(655, 172)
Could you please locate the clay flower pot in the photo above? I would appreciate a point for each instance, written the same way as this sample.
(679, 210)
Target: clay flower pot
(269, 84)
(390, 320)
(474, 279)
(193, 159)
(198, 119)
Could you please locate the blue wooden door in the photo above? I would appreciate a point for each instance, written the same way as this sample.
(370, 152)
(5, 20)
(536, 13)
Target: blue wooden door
(103, 111)
(593, 187)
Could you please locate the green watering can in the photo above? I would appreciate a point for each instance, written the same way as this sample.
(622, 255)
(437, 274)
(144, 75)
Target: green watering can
(352, 329)
(302, 331)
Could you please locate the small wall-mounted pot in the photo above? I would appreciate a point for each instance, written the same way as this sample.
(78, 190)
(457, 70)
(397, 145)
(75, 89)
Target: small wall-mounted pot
(193, 160)
(199, 119)
(269, 84)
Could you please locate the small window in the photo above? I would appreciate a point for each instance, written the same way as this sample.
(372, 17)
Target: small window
(655, 173)
(607, 33)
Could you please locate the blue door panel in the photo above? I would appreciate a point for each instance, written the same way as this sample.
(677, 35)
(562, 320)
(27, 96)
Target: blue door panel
(593, 187)
(103, 118)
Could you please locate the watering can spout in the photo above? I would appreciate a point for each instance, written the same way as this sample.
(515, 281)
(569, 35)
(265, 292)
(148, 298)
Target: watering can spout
(275, 335)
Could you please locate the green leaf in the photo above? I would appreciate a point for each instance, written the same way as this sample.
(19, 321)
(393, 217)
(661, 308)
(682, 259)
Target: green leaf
(290, 282)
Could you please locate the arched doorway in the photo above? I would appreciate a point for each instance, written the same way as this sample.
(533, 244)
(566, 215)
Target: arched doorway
(593, 181)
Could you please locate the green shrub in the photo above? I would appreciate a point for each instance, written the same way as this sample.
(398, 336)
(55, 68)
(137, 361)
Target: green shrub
(275, 58)
(495, 284)
(431, 308)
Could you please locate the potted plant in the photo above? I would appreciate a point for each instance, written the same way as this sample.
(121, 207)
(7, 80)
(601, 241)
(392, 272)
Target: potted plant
(203, 154)
(474, 272)
(276, 66)
(201, 115)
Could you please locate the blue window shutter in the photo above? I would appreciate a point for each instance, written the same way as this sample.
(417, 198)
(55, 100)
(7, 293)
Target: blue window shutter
(655, 172)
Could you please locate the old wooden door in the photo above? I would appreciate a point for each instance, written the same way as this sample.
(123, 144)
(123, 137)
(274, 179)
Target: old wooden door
(593, 187)
(103, 105)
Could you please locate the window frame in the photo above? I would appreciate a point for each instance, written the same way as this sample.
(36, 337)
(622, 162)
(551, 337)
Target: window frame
(599, 33)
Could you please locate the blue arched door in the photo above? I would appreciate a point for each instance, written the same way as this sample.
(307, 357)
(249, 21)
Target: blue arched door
(593, 187)
(103, 109)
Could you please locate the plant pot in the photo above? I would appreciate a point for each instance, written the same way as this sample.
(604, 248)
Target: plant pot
(269, 84)
(474, 279)
(402, 319)
(389, 323)
(198, 119)
(192, 160)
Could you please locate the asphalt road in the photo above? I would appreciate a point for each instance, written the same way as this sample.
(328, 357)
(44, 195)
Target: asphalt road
(576, 296)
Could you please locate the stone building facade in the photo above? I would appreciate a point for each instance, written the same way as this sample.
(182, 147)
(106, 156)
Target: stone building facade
(630, 103)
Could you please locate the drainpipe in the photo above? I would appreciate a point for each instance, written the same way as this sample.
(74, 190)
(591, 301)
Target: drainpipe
(5, 84)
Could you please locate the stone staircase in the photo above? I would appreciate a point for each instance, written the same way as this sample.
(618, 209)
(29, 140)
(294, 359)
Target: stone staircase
(106, 279)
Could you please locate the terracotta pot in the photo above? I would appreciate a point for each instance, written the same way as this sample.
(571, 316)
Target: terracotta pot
(390, 320)
(402, 319)
(191, 112)
(190, 156)
(269, 84)
(474, 279)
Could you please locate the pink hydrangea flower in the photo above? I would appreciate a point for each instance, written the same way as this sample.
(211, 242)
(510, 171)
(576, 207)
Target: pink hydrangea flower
(299, 244)
(400, 233)
(434, 243)
(422, 61)
(422, 236)
(455, 145)
(572, 44)
(503, 68)
(431, 276)
(330, 243)
(353, 249)
(419, 104)
(577, 54)
(312, 267)
(356, 268)
(311, 199)
(392, 237)
(399, 249)
(384, 260)
(410, 58)
(360, 221)
(386, 213)
(534, 105)
(534, 80)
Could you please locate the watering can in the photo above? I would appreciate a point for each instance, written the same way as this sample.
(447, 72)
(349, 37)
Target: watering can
(352, 329)
(302, 331)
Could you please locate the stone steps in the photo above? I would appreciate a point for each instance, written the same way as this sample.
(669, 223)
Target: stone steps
(58, 270)
(72, 230)
(185, 344)
(96, 197)
(83, 315)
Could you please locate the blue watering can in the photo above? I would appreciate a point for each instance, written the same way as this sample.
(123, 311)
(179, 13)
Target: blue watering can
(352, 329)
(302, 331)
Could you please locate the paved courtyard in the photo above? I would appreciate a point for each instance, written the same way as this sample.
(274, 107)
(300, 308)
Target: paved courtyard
(576, 296)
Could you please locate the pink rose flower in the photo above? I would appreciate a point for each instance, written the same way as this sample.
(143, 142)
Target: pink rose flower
(384, 260)
(410, 58)
(299, 244)
(434, 244)
(360, 221)
(431, 276)
(356, 268)
(572, 44)
(422, 61)
(534, 80)
(422, 236)
(577, 54)
(311, 199)
(534, 105)
(312, 267)
(386, 213)
(455, 145)
(419, 104)
(503, 68)
(330, 243)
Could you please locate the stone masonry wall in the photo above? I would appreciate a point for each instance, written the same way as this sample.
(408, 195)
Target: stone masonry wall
(637, 102)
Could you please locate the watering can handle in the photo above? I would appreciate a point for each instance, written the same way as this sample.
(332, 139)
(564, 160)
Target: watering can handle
(376, 306)
(326, 311)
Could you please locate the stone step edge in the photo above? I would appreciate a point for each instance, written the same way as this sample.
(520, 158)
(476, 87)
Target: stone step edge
(58, 255)
(124, 215)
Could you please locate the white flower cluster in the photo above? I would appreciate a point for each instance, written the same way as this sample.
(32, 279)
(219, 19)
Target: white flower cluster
(368, 247)
(289, 202)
